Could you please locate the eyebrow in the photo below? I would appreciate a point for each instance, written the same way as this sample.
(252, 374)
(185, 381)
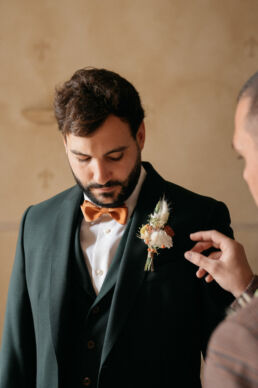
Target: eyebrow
(119, 149)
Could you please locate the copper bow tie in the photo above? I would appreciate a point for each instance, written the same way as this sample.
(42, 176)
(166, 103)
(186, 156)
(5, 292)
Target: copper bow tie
(91, 212)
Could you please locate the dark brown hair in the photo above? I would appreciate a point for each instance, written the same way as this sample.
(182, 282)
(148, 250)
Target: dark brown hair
(84, 102)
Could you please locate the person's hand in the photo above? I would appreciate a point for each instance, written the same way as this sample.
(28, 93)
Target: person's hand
(228, 266)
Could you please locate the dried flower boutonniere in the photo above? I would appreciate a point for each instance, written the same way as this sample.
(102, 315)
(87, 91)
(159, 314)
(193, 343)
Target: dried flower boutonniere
(156, 234)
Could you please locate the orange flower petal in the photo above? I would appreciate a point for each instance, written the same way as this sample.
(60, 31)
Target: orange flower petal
(169, 230)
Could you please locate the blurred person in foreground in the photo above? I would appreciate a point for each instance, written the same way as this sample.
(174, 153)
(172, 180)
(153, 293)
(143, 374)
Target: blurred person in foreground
(100, 294)
(232, 359)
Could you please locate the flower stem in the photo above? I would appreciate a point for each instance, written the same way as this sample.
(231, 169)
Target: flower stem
(149, 266)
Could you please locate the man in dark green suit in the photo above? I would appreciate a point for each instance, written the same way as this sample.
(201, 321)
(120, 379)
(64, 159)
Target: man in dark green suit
(83, 309)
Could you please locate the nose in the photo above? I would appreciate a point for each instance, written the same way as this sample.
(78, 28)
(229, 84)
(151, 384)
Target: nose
(101, 173)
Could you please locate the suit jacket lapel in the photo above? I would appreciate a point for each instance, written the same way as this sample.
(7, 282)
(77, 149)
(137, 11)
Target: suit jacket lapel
(63, 232)
(131, 272)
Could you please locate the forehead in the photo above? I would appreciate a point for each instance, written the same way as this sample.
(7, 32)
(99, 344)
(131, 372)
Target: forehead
(242, 110)
(111, 134)
(244, 140)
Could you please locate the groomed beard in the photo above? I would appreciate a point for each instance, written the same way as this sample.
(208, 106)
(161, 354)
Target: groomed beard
(127, 186)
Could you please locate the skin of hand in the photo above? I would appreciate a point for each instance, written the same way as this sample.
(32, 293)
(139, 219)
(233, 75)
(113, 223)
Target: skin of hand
(228, 266)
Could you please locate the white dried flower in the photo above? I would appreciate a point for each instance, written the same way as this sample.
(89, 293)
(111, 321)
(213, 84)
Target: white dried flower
(156, 234)
(160, 239)
(145, 233)
(161, 213)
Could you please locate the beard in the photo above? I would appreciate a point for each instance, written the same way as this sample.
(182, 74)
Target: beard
(127, 187)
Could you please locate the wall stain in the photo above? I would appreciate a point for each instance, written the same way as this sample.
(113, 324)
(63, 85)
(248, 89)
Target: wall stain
(41, 49)
(45, 176)
(252, 45)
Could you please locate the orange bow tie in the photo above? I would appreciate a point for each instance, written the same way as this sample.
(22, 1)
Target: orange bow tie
(91, 212)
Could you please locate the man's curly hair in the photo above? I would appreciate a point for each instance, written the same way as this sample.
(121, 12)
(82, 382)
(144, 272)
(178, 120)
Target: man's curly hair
(84, 102)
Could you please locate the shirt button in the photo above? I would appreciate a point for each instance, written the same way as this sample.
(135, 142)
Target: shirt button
(86, 382)
(99, 272)
(107, 231)
(91, 344)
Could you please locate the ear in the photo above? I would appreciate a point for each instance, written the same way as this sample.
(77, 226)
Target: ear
(140, 135)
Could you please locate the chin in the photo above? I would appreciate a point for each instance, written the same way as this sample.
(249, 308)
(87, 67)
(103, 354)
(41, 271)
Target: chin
(107, 198)
(106, 201)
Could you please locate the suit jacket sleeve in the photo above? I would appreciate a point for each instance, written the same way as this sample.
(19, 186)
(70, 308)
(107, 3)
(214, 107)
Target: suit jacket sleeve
(214, 299)
(17, 357)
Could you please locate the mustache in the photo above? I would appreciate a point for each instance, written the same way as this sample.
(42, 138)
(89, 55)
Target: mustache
(108, 184)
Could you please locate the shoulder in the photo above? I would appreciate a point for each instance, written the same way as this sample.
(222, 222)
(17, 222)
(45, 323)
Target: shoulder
(233, 348)
(205, 212)
(50, 207)
(178, 193)
(192, 211)
(245, 319)
(185, 194)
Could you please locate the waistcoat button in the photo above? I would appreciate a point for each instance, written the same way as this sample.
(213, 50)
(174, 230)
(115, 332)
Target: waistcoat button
(86, 382)
(96, 310)
(91, 344)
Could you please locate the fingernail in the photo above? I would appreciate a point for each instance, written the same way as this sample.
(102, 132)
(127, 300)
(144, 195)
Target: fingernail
(188, 255)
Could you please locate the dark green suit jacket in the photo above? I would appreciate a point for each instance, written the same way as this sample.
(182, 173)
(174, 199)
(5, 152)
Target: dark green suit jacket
(159, 321)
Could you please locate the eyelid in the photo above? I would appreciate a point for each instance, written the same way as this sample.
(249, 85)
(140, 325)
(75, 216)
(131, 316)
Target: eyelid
(83, 159)
(116, 158)
(111, 156)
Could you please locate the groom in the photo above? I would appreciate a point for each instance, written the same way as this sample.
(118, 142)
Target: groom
(81, 310)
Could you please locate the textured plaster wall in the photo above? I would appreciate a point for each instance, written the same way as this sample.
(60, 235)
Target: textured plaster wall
(188, 60)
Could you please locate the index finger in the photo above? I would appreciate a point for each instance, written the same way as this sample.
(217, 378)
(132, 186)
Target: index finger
(217, 238)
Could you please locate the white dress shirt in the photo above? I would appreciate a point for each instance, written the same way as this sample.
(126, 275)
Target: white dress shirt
(100, 239)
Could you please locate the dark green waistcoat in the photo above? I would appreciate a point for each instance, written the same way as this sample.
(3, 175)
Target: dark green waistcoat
(88, 318)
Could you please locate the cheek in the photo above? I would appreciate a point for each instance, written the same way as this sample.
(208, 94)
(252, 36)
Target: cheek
(83, 172)
(126, 172)
(248, 170)
(251, 177)
(248, 176)
(120, 170)
(79, 170)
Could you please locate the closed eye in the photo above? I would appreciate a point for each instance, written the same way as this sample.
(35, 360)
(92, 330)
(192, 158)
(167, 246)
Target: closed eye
(116, 156)
(83, 160)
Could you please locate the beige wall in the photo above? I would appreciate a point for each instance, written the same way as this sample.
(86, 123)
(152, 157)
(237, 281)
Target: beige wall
(186, 58)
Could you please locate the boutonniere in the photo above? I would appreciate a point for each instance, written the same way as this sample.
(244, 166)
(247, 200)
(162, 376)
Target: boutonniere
(156, 234)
